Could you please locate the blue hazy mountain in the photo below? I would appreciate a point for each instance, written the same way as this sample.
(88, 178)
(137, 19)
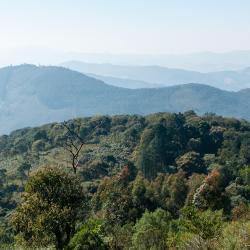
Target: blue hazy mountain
(32, 95)
(125, 82)
(162, 76)
(199, 61)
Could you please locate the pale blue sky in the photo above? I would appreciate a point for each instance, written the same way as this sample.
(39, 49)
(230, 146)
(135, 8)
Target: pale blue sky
(126, 26)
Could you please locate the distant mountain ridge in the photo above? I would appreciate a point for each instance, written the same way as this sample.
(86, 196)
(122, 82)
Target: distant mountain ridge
(31, 96)
(125, 82)
(156, 76)
(198, 61)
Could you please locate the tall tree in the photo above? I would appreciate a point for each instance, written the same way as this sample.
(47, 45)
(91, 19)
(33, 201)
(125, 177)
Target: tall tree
(49, 209)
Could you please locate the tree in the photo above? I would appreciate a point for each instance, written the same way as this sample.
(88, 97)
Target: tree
(207, 225)
(241, 212)
(211, 193)
(73, 144)
(161, 142)
(236, 236)
(141, 196)
(190, 163)
(178, 189)
(88, 238)
(120, 238)
(151, 153)
(151, 231)
(194, 182)
(245, 179)
(49, 209)
(75, 138)
(196, 230)
(23, 171)
(113, 198)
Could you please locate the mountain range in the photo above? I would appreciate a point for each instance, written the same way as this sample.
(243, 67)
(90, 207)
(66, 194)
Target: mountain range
(32, 95)
(156, 76)
(198, 61)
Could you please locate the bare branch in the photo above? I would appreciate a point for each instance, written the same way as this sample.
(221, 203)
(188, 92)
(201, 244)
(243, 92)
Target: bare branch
(72, 147)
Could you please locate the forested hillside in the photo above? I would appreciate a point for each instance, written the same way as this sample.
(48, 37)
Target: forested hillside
(32, 96)
(162, 181)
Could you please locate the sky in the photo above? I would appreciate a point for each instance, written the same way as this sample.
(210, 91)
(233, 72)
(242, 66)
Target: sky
(128, 26)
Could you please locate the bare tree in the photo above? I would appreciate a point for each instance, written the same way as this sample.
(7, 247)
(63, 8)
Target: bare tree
(73, 144)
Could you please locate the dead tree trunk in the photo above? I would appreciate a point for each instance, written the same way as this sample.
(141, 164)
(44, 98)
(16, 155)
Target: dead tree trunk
(73, 144)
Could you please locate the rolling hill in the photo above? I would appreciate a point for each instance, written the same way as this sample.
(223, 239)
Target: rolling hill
(32, 96)
(162, 76)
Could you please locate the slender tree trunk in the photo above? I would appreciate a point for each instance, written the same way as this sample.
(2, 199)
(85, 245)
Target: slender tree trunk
(68, 231)
(59, 241)
(74, 165)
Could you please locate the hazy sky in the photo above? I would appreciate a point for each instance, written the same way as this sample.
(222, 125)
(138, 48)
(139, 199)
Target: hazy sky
(126, 26)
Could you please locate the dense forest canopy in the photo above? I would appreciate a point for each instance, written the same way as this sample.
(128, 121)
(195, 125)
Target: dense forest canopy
(162, 181)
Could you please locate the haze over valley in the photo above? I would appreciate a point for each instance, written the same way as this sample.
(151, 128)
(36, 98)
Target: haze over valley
(157, 76)
(32, 95)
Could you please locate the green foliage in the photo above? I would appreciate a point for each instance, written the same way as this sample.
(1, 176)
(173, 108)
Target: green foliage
(190, 163)
(49, 209)
(6, 236)
(151, 230)
(129, 165)
(196, 230)
(119, 237)
(113, 199)
(212, 193)
(160, 144)
(207, 225)
(151, 153)
(235, 236)
(88, 238)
